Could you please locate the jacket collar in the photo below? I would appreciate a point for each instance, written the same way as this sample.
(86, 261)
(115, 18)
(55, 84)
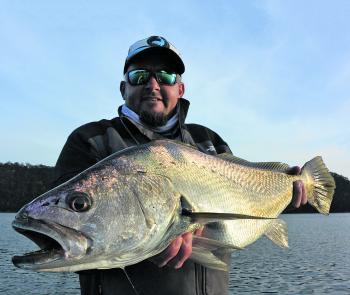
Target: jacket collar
(182, 109)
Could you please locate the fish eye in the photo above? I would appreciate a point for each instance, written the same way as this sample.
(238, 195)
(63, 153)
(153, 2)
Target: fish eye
(79, 201)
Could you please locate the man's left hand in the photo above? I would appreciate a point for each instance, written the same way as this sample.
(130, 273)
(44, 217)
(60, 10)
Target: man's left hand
(299, 196)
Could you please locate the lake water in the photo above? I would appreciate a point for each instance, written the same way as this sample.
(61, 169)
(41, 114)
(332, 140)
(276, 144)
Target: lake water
(317, 262)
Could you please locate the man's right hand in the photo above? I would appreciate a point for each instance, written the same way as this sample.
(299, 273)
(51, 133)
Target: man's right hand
(177, 252)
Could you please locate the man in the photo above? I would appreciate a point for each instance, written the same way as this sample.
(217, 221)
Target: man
(153, 109)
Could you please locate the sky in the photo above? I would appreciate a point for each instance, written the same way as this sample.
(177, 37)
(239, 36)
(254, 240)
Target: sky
(271, 77)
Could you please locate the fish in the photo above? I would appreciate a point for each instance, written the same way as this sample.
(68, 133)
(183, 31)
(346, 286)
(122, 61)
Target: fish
(131, 205)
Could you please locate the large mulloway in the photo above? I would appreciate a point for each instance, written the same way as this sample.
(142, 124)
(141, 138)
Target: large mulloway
(131, 205)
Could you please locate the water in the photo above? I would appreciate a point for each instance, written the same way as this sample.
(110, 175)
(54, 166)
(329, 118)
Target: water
(318, 262)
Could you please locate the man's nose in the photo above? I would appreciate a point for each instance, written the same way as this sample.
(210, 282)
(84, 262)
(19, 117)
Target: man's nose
(153, 84)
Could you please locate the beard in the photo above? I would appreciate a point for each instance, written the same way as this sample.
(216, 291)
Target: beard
(153, 119)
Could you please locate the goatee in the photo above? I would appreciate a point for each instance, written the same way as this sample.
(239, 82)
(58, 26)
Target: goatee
(153, 119)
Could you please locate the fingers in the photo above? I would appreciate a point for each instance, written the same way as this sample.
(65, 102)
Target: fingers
(303, 194)
(177, 252)
(184, 252)
(199, 231)
(169, 253)
(299, 194)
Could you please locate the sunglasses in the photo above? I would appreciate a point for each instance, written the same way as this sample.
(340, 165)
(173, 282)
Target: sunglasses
(141, 77)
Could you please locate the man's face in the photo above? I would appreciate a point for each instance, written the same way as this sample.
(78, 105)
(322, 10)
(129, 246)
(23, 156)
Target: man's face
(153, 102)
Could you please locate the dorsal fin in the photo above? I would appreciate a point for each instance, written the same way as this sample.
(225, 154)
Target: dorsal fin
(276, 166)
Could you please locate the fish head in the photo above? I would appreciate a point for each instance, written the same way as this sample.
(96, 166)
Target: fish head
(99, 219)
(54, 222)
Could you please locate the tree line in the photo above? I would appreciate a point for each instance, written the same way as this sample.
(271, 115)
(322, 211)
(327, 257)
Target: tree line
(21, 183)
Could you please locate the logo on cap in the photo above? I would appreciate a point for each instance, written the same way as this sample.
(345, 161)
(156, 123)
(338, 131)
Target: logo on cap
(157, 41)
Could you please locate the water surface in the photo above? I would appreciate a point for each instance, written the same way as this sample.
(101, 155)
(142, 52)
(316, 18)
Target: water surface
(317, 262)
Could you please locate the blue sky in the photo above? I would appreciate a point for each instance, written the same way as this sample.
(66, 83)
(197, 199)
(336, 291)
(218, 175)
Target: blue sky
(271, 77)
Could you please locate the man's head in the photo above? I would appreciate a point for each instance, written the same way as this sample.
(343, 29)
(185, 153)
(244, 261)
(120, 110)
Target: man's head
(153, 93)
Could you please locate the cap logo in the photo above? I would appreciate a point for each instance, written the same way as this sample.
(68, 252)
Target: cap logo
(157, 41)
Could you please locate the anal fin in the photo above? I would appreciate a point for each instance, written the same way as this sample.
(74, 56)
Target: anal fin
(277, 233)
(203, 250)
(211, 244)
(207, 259)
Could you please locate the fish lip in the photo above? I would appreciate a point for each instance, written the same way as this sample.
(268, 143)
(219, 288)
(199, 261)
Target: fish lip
(57, 243)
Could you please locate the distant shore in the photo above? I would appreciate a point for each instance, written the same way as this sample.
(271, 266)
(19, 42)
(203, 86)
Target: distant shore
(21, 183)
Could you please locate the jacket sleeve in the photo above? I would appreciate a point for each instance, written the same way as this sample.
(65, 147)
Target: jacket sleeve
(207, 139)
(76, 156)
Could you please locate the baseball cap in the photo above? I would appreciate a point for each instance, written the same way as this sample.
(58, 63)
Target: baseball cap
(155, 44)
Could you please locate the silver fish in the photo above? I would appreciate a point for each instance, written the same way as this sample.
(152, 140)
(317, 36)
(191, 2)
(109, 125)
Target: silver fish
(131, 205)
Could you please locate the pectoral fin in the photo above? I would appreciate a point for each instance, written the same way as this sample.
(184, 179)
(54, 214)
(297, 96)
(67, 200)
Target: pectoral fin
(205, 217)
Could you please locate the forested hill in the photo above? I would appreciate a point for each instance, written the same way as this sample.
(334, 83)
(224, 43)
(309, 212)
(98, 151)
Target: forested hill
(21, 183)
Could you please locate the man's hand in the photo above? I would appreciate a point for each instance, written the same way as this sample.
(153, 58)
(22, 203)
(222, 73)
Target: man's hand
(177, 252)
(299, 195)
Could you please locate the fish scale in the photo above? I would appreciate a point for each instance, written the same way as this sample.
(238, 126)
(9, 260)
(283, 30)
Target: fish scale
(131, 205)
(239, 181)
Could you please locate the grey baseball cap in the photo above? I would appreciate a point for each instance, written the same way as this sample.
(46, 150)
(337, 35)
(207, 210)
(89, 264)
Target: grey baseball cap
(155, 44)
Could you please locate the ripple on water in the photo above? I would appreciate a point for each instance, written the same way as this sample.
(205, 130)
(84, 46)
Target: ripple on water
(316, 263)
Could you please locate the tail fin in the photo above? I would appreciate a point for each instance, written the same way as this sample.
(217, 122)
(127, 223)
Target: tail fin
(321, 188)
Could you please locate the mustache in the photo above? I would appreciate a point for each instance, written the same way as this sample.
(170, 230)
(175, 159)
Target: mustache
(147, 97)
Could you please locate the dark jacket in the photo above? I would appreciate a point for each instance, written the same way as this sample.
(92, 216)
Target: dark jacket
(94, 141)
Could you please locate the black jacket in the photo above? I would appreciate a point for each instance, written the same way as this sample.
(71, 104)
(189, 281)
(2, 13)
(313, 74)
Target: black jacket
(94, 141)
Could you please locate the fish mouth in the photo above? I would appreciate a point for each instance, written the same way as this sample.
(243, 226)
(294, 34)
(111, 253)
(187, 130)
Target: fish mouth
(59, 245)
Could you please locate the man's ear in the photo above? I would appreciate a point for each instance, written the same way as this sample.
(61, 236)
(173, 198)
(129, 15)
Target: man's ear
(122, 88)
(181, 89)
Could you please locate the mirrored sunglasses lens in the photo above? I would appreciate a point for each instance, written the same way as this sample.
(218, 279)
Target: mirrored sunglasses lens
(166, 78)
(138, 77)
